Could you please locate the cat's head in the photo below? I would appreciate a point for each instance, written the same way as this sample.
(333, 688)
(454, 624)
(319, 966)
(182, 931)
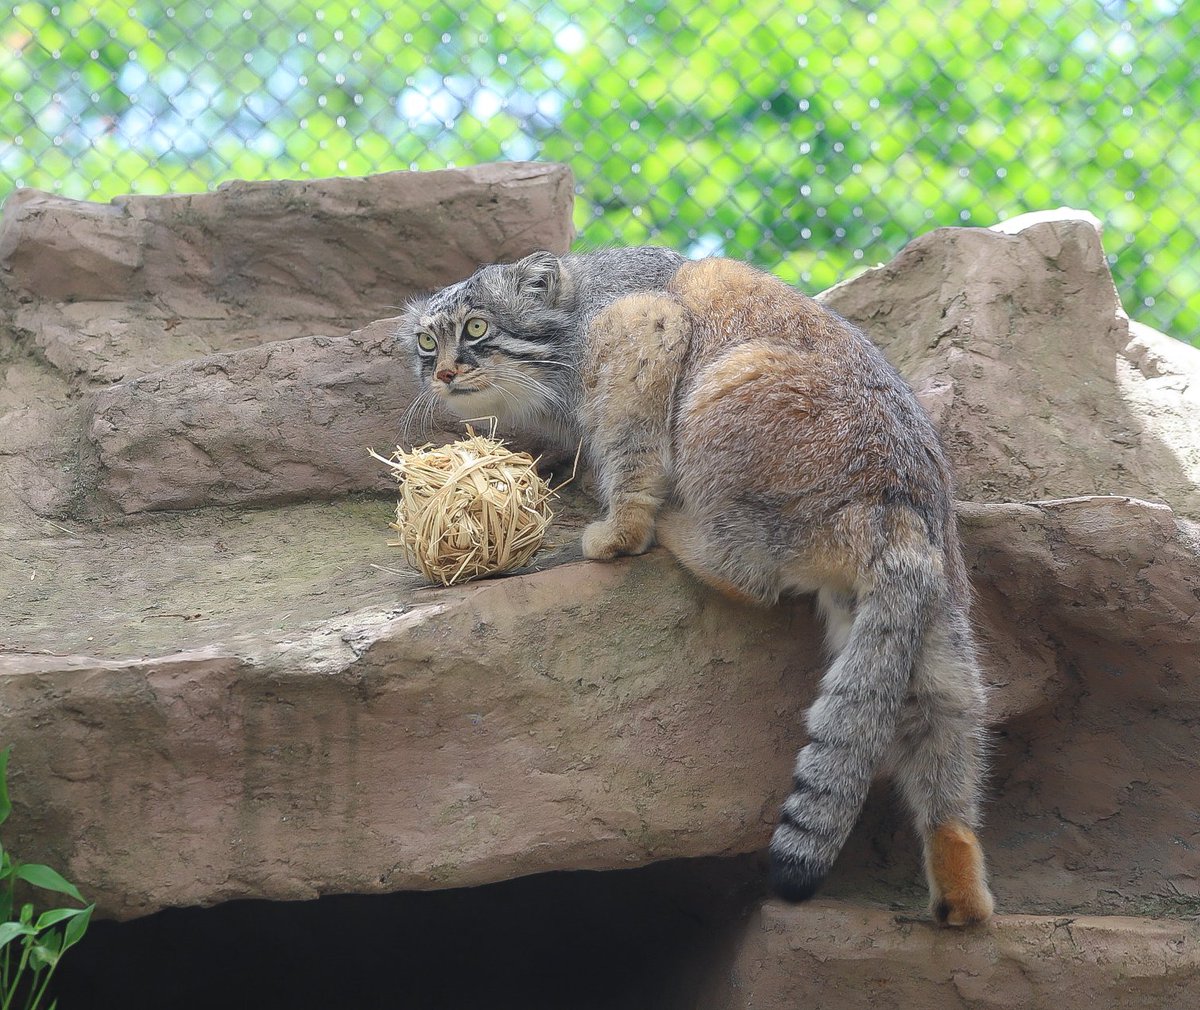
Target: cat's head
(499, 343)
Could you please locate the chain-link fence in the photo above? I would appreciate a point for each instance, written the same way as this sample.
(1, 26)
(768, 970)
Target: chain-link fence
(809, 138)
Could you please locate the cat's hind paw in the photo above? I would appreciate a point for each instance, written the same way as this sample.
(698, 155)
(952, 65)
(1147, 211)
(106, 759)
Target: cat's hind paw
(960, 895)
(964, 909)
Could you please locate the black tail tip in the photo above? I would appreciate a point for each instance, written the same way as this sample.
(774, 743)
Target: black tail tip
(794, 878)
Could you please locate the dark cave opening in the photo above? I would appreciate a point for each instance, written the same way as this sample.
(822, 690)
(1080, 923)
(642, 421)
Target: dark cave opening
(641, 938)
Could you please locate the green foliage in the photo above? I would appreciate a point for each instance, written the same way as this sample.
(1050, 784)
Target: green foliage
(810, 138)
(32, 945)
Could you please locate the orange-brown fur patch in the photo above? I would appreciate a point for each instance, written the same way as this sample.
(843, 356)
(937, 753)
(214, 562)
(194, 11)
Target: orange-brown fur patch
(735, 300)
(635, 346)
(722, 586)
(712, 282)
(742, 371)
(961, 896)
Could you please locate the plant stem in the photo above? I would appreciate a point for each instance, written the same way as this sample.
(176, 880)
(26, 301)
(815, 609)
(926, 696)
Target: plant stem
(8, 996)
(34, 1000)
(32, 987)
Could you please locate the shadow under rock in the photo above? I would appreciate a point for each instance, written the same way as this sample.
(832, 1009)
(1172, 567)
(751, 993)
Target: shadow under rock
(646, 937)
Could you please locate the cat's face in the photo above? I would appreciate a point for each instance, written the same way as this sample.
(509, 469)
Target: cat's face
(496, 343)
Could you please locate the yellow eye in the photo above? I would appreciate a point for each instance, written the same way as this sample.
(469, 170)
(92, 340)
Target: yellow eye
(426, 342)
(476, 328)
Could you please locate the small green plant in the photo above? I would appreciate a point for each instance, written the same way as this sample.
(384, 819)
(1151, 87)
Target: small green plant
(30, 948)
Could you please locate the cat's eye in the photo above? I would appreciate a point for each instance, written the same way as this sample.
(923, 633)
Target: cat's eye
(476, 328)
(426, 342)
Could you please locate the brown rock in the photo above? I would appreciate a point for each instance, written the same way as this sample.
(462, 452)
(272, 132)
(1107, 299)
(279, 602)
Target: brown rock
(451, 738)
(112, 291)
(231, 703)
(832, 956)
(1029, 366)
(586, 716)
(284, 421)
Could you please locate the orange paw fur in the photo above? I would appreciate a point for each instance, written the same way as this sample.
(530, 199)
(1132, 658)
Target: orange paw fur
(960, 895)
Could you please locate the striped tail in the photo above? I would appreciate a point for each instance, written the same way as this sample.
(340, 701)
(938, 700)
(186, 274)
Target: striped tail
(853, 722)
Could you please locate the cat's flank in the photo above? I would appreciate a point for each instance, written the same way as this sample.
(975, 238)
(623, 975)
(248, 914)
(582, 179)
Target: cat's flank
(769, 446)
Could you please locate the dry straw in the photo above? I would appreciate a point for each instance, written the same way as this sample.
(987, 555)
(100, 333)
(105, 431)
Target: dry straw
(468, 509)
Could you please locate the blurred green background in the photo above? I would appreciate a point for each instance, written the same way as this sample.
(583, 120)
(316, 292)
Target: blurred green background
(811, 139)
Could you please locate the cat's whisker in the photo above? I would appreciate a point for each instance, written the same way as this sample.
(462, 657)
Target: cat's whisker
(529, 385)
(507, 394)
(406, 418)
(510, 371)
(430, 411)
(540, 388)
(550, 361)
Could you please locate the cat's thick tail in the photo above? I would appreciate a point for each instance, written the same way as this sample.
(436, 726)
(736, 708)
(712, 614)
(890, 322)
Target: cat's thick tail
(853, 722)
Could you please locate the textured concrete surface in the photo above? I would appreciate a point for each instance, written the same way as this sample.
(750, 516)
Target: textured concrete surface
(112, 291)
(831, 955)
(223, 702)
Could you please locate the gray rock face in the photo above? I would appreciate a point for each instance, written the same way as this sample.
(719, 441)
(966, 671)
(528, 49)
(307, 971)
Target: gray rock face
(226, 702)
(283, 421)
(1018, 341)
(112, 291)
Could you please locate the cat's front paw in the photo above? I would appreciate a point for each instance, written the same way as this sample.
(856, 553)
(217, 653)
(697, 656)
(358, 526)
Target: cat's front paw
(606, 539)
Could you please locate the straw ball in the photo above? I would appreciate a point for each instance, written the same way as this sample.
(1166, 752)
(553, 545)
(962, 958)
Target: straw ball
(468, 509)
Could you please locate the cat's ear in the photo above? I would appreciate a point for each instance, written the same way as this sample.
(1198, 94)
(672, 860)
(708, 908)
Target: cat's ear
(540, 274)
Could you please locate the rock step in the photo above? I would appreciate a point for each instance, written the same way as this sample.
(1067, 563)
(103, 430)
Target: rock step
(112, 291)
(325, 728)
(833, 955)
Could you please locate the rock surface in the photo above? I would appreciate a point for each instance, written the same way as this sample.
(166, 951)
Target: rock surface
(1028, 363)
(259, 697)
(112, 291)
(581, 717)
(829, 955)
(284, 421)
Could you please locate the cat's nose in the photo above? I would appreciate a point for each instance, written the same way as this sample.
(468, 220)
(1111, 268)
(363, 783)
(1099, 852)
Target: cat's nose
(447, 374)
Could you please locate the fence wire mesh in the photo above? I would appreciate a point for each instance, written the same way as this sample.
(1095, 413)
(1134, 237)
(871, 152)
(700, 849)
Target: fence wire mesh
(809, 138)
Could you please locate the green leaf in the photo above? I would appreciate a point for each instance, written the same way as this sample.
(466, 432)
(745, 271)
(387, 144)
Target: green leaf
(56, 915)
(9, 931)
(5, 805)
(77, 927)
(47, 879)
(45, 953)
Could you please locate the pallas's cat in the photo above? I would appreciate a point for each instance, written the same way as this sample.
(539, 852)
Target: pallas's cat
(769, 446)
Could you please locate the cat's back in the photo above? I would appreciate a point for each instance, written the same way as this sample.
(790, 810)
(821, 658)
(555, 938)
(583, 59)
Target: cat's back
(730, 300)
(796, 400)
(741, 315)
(604, 275)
